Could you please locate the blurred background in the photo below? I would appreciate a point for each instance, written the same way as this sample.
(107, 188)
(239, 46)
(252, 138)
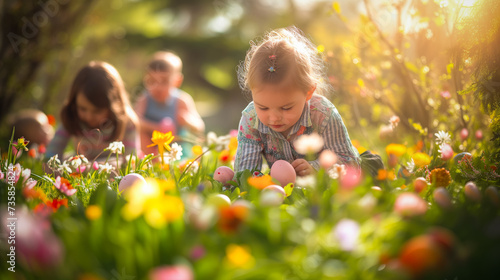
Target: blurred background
(414, 59)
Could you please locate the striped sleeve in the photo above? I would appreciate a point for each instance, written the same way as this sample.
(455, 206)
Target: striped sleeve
(249, 151)
(337, 139)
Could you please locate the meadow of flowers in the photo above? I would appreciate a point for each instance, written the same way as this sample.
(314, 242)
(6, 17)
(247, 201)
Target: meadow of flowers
(432, 213)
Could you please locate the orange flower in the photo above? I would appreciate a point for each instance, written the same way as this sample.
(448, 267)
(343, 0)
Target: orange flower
(225, 156)
(440, 177)
(384, 174)
(32, 153)
(261, 182)
(231, 217)
(56, 203)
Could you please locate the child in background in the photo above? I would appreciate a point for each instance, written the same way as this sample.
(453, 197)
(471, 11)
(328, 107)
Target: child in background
(33, 125)
(96, 113)
(165, 107)
(284, 74)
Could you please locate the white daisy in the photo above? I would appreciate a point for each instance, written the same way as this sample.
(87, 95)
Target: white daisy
(442, 137)
(410, 166)
(115, 147)
(64, 167)
(106, 168)
(54, 162)
(337, 171)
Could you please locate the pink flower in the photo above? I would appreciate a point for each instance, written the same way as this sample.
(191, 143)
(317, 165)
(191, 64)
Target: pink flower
(64, 186)
(233, 133)
(176, 272)
(351, 178)
(327, 159)
(446, 152)
(95, 165)
(37, 247)
(464, 133)
(446, 94)
(410, 204)
(479, 134)
(81, 169)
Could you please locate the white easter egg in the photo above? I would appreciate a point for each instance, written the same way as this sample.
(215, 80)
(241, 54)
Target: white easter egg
(284, 172)
(219, 200)
(275, 188)
(271, 198)
(223, 174)
(129, 180)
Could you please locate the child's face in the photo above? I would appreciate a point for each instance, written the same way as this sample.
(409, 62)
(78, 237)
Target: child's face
(279, 106)
(92, 116)
(159, 84)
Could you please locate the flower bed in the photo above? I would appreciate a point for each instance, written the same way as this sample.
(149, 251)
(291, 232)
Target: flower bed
(428, 215)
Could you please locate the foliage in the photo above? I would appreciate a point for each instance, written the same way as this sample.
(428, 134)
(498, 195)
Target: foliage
(182, 219)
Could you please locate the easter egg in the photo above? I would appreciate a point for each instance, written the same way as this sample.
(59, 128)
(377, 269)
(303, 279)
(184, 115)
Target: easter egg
(284, 172)
(492, 193)
(129, 180)
(223, 174)
(472, 192)
(219, 200)
(420, 184)
(275, 188)
(421, 254)
(271, 198)
(461, 156)
(442, 197)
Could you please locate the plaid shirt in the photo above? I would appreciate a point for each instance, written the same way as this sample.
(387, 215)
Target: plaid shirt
(256, 139)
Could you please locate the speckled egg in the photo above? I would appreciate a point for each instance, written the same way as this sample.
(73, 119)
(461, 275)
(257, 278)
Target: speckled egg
(283, 172)
(129, 180)
(275, 188)
(461, 156)
(223, 174)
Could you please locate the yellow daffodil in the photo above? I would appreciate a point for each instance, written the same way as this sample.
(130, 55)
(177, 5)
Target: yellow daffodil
(93, 212)
(239, 256)
(162, 140)
(151, 201)
(395, 149)
(421, 159)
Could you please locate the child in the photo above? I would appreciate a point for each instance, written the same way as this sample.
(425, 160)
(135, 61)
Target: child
(164, 107)
(284, 74)
(33, 125)
(96, 113)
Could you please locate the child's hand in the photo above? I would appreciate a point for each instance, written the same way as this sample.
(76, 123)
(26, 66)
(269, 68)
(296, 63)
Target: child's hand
(302, 167)
(166, 125)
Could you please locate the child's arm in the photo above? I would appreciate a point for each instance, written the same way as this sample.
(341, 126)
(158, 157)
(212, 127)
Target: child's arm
(58, 143)
(188, 116)
(337, 140)
(249, 151)
(146, 126)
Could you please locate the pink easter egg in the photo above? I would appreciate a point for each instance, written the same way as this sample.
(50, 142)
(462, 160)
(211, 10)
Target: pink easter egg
(284, 172)
(420, 184)
(223, 174)
(129, 180)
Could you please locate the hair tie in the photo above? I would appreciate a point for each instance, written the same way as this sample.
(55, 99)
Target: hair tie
(273, 59)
